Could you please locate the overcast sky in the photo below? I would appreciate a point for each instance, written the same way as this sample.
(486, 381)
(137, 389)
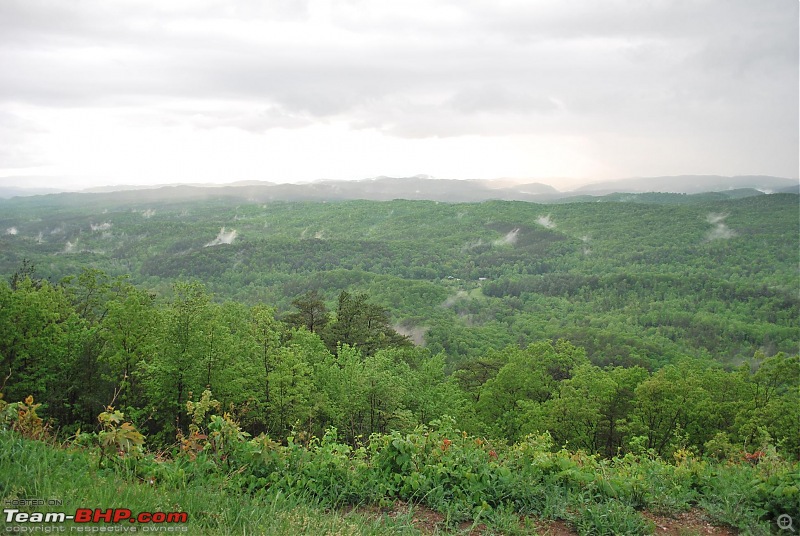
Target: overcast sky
(132, 91)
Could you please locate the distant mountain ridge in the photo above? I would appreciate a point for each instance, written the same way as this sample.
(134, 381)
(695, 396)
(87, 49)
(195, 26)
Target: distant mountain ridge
(15, 191)
(422, 187)
(689, 184)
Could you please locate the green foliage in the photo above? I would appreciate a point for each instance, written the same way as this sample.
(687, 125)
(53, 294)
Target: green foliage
(634, 284)
(610, 518)
(465, 478)
(361, 324)
(669, 344)
(118, 437)
(151, 356)
(512, 399)
(311, 314)
(213, 503)
(22, 418)
(778, 491)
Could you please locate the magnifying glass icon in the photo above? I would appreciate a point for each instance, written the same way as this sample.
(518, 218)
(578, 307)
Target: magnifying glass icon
(785, 522)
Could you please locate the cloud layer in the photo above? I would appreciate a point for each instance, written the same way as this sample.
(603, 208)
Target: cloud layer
(612, 87)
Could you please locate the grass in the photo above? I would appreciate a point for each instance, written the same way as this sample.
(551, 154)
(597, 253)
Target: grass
(451, 486)
(35, 470)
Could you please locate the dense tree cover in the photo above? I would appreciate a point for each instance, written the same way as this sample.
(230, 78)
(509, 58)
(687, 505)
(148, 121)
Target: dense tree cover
(94, 340)
(630, 331)
(633, 283)
(615, 325)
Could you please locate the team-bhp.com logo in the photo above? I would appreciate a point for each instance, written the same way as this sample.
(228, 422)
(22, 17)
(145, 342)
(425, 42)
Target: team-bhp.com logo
(21, 522)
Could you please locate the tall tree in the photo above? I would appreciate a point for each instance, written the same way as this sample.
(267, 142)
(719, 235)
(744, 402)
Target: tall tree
(177, 368)
(130, 334)
(530, 376)
(362, 324)
(311, 312)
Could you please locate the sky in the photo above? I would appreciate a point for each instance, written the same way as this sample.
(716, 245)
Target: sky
(99, 92)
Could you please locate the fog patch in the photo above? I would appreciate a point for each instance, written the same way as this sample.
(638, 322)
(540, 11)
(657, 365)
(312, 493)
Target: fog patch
(69, 247)
(720, 230)
(450, 301)
(545, 221)
(416, 334)
(101, 226)
(223, 238)
(147, 213)
(471, 245)
(12, 231)
(509, 239)
(39, 239)
(320, 235)
(586, 249)
(467, 318)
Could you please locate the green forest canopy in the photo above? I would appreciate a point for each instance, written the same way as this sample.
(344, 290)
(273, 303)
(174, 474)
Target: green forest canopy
(612, 325)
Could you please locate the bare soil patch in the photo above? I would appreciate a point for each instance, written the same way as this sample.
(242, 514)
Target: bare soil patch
(427, 521)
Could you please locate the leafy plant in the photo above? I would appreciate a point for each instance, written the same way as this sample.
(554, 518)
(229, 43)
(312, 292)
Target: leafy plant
(610, 518)
(22, 418)
(118, 438)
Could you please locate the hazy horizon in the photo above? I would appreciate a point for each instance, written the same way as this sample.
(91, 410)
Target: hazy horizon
(143, 93)
(558, 184)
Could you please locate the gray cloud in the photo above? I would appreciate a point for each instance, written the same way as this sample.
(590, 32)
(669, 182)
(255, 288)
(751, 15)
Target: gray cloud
(688, 71)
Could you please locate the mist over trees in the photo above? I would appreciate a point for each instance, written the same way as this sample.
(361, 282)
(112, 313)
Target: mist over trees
(490, 361)
(615, 327)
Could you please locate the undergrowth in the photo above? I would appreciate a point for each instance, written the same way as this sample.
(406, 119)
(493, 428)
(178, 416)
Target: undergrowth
(229, 483)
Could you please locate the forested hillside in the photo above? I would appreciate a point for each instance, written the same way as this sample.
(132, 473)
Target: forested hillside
(153, 301)
(632, 283)
(626, 331)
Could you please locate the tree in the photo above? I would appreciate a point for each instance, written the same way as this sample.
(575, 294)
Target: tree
(130, 331)
(472, 375)
(266, 334)
(26, 271)
(668, 402)
(311, 312)
(362, 324)
(771, 402)
(529, 377)
(177, 365)
(41, 344)
(291, 388)
(591, 409)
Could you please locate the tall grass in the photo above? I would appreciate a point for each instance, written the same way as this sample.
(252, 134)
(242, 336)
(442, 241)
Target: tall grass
(36, 470)
(259, 486)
